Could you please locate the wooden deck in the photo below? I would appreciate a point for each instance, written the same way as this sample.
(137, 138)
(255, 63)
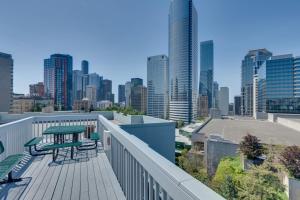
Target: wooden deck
(89, 176)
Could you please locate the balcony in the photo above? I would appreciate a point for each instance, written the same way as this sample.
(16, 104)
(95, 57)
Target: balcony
(123, 167)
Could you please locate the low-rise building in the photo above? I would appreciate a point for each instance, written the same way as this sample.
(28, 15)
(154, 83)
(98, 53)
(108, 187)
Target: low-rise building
(104, 104)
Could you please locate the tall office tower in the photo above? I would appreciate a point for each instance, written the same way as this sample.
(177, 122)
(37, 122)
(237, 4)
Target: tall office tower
(138, 98)
(91, 94)
(237, 105)
(77, 85)
(216, 94)
(85, 82)
(278, 85)
(49, 78)
(207, 71)
(37, 90)
(183, 60)
(136, 82)
(250, 65)
(60, 67)
(106, 87)
(224, 100)
(202, 106)
(121, 94)
(85, 67)
(158, 86)
(95, 79)
(6, 82)
(127, 93)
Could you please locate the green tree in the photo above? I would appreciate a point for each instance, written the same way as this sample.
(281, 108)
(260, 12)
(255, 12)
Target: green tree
(251, 147)
(229, 189)
(229, 166)
(261, 184)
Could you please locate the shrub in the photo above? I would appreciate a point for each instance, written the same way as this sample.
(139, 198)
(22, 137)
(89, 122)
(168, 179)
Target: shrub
(251, 147)
(290, 157)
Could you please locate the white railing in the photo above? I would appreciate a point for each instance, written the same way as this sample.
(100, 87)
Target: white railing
(14, 135)
(145, 174)
(142, 173)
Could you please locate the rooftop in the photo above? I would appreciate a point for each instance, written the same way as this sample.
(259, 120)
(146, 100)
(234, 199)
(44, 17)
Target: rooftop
(267, 132)
(90, 176)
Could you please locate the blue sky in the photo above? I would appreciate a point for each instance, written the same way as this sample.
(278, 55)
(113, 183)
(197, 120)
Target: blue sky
(116, 36)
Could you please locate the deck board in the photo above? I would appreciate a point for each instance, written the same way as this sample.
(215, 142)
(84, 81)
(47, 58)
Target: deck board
(89, 176)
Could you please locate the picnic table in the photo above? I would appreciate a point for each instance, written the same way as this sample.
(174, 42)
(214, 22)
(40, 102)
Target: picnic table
(59, 133)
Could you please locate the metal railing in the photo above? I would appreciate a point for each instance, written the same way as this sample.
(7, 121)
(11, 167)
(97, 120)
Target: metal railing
(142, 173)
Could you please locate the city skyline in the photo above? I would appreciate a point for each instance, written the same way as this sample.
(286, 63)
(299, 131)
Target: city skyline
(228, 35)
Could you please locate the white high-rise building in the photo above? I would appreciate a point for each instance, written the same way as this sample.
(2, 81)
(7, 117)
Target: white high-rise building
(224, 100)
(158, 86)
(91, 94)
(183, 60)
(127, 93)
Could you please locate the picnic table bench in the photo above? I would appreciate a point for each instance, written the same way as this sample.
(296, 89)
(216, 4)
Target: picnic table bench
(7, 165)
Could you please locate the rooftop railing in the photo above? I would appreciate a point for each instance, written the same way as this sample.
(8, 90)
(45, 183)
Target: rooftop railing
(141, 172)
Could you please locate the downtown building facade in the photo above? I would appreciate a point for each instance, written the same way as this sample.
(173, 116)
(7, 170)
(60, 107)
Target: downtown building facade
(183, 61)
(37, 90)
(206, 86)
(6, 82)
(278, 85)
(121, 94)
(77, 83)
(58, 75)
(224, 100)
(158, 86)
(249, 68)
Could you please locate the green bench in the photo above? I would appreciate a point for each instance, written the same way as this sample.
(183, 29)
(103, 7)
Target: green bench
(54, 147)
(95, 137)
(33, 142)
(7, 165)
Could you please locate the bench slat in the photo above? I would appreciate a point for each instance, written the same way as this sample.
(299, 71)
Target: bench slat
(33, 141)
(64, 145)
(8, 164)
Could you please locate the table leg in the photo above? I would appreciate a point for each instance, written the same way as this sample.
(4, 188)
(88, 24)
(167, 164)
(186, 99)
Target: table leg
(72, 152)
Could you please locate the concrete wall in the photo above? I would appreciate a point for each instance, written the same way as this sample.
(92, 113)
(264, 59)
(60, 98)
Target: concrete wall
(215, 150)
(159, 136)
(289, 123)
(260, 115)
(292, 187)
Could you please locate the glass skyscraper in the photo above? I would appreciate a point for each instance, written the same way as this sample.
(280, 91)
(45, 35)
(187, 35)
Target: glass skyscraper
(207, 71)
(77, 85)
(250, 65)
(183, 60)
(6, 82)
(58, 73)
(121, 94)
(85, 67)
(158, 86)
(278, 85)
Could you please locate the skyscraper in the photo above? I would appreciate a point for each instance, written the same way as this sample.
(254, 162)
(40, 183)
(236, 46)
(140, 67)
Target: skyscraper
(85, 67)
(138, 98)
(121, 93)
(49, 78)
(106, 87)
(6, 82)
(216, 94)
(59, 70)
(237, 105)
(136, 82)
(183, 60)
(224, 100)
(95, 79)
(91, 94)
(250, 65)
(157, 86)
(278, 85)
(127, 93)
(77, 85)
(207, 70)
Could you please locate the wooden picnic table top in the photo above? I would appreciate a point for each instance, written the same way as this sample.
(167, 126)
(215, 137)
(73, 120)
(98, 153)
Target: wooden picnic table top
(64, 130)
